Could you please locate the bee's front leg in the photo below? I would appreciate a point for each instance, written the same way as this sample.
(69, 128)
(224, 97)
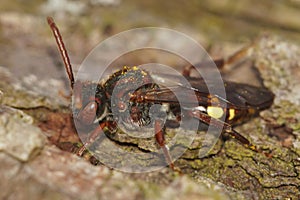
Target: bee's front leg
(94, 135)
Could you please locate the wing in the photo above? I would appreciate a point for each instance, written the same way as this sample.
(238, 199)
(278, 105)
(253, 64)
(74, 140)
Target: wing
(194, 91)
(239, 94)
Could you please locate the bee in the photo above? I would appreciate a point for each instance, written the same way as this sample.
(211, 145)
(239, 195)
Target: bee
(119, 96)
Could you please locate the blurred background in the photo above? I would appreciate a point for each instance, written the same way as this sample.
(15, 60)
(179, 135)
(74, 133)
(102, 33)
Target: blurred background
(222, 27)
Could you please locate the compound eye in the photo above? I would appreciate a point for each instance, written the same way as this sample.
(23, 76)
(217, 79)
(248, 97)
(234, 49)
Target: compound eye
(88, 114)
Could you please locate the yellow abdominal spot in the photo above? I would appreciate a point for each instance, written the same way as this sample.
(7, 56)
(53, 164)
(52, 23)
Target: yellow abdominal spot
(135, 68)
(231, 114)
(215, 112)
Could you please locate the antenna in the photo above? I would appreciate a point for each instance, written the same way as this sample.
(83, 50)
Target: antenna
(62, 49)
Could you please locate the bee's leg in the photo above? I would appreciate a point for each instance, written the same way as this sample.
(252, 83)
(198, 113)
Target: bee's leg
(160, 139)
(93, 136)
(223, 63)
(205, 118)
(188, 69)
